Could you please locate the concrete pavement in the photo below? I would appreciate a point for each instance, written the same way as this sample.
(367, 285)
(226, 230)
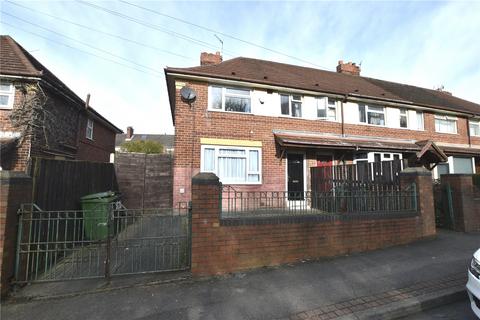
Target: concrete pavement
(270, 293)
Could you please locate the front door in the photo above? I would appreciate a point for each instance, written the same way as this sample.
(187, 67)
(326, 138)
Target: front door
(295, 176)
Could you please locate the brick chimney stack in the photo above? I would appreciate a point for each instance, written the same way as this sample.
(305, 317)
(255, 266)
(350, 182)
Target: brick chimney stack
(129, 132)
(348, 68)
(210, 58)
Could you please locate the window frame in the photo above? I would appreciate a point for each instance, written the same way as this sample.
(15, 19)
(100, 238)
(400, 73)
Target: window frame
(89, 127)
(225, 94)
(405, 115)
(474, 123)
(446, 118)
(367, 110)
(10, 94)
(325, 101)
(247, 163)
(420, 115)
(290, 105)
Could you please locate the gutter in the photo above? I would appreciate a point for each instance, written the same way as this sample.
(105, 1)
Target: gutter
(20, 77)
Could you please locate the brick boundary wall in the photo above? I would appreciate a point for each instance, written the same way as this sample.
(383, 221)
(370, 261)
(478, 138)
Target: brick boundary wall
(16, 188)
(465, 201)
(221, 246)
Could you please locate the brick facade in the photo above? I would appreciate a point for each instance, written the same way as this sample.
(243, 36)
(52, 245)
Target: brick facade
(16, 189)
(195, 122)
(465, 202)
(100, 147)
(66, 133)
(218, 247)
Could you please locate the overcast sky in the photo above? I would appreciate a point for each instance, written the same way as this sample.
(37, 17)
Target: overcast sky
(421, 43)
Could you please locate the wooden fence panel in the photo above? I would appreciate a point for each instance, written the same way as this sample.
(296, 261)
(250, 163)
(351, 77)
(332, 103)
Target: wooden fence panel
(145, 180)
(59, 184)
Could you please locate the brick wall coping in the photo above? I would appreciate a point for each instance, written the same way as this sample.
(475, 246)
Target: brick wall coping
(415, 171)
(11, 177)
(240, 221)
(458, 175)
(205, 178)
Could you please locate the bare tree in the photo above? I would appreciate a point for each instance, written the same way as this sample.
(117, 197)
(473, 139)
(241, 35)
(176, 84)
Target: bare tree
(32, 115)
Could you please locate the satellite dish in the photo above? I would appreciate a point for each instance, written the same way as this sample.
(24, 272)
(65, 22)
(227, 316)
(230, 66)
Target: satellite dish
(188, 94)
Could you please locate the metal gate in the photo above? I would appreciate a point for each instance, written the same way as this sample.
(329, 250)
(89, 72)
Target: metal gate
(67, 245)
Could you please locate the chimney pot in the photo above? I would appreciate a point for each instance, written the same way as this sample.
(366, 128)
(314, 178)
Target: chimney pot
(129, 132)
(210, 58)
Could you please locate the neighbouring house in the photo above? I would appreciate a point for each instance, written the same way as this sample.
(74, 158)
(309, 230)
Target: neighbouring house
(166, 140)
(41, 116)
(259, 125)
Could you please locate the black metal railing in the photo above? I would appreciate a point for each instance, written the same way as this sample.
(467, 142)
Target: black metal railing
(369, 199)
(354, 176)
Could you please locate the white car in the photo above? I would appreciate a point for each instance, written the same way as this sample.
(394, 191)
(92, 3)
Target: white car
(473, 284)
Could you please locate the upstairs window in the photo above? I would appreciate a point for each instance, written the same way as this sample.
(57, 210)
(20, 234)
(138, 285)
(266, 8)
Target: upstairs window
(475, 128)
(230, 99)
(89, 131)
(445, 124)
(327, 108)
(419, 115)
(291, 105)
(7, 93)
(403, 118)
(371, 115)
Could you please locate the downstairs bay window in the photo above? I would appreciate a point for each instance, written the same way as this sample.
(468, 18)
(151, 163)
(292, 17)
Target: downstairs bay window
(233, 165)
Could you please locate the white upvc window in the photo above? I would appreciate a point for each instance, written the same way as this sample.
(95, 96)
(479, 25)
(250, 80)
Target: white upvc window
(229, 99)
(7, 94)
(445, 124)
(89, 130)
(475, 128)
(291, 105)
(371, 114)
(327, 108)
(403, 118)
(233, 165)
(420, 122)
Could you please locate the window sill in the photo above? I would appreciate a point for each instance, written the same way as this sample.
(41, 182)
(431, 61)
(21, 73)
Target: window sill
(241, 183)
(329, 120)
(233, 112)
(6, 108)
(382, 126)
(451, 133)
(290, 117)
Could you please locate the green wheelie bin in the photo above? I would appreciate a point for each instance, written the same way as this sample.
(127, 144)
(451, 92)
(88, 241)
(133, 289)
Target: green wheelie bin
(95, 214)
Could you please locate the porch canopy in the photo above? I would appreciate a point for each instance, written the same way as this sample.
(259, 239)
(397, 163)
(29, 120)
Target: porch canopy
(425, 152)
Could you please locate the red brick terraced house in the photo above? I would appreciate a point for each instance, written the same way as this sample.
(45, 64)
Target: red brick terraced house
(259, 125)
(40, 116)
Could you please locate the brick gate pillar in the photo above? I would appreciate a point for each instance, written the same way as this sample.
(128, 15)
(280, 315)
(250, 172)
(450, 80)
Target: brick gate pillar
(465, 202)
(206, 204)
(425, 204)
(15, 189)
